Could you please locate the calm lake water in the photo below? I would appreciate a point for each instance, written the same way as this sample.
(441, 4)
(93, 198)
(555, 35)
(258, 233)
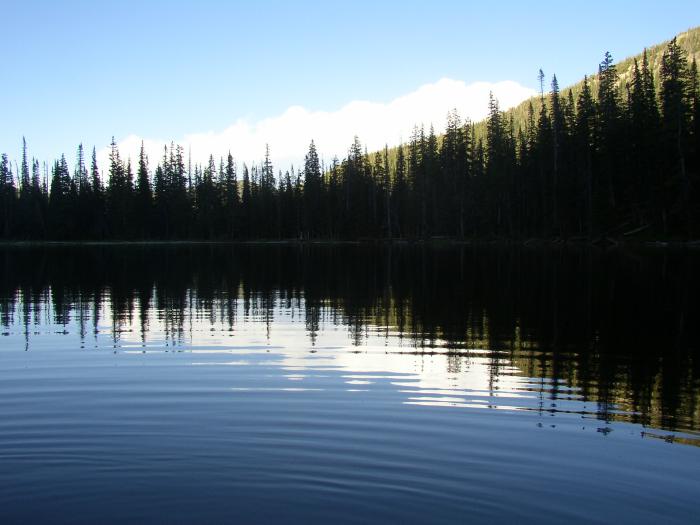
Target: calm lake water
(348, 384)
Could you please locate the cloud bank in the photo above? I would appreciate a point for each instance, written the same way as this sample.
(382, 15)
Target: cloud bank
(375, 123)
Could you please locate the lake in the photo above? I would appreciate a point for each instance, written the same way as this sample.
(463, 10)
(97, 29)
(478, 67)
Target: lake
(348, 383)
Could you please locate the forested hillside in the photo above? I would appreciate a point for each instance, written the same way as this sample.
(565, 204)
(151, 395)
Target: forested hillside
(688, 41)
(617, 155)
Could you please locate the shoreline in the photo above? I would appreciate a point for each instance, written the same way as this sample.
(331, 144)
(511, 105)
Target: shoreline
(605, 243)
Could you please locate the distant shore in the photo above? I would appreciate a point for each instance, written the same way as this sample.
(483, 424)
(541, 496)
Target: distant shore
(601, 243)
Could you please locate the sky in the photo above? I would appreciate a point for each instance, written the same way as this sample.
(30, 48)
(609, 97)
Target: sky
(220, 76)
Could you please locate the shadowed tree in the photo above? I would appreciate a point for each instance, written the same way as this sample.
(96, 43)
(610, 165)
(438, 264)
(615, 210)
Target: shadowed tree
(7, 196)
(231, 202)
(144, 196)
(675, 119)
(313, 193)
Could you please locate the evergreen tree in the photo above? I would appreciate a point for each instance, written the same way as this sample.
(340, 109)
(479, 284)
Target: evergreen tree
(7, 196)
(387, 191)
(609, 139)
(24, 174)
(453, 166)
(22, 211)
(83, 192)
(230, 193)
(313, 193)
(61, 201)
(675, 118)
(247, 204)
(401, 189)
(643, 125)
(558, 138)
(144, 195)
(417, 182)
(585, 143)
(119, 195)
(98, 199)
(694, 148)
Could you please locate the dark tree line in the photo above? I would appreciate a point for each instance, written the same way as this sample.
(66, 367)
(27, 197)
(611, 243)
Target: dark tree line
(624, 160)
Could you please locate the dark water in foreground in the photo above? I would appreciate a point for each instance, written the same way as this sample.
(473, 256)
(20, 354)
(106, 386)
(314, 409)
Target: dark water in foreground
(333, 384)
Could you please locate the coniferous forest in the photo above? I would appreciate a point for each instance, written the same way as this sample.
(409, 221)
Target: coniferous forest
(616, 160)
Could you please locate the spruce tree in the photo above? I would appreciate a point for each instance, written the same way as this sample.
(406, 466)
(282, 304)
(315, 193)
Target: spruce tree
(675, 118)
(585, 144)
(247, 203)
(558, 134)
(313, 192)
(7, 196)
(24, 174)
(609, 143)
(98, 199)
(231, 200)
(144, 195)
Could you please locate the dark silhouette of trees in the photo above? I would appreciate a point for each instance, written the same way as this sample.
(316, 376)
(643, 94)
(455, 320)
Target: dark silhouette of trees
(7, 196)
(230, 199)
(617, 156)
(585, 144)
(313, 194)
(675, 98)
(120, 193)
(144, 196)
(62, 198)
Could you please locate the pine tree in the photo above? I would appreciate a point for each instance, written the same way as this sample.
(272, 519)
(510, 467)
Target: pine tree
(95, 174)
(267, 207)
(675, 118)
(585, 144)
(231, 200)
(694, 148)
(23, 209)
(313, 192)
(83, 193)
(24, 173)
(61, 201)
(453, 166)
(400, 193)
(39, 203)
(119, 193)
(387, 191)
(558, 133)
(206, 202)
(246, 203)
(643, 125)
(7, 196)
(80, 174)
(98, 199)
(144, 195)
(609, 143)
(431, 174)
(36, 177)
(416, 182)
(479, 169)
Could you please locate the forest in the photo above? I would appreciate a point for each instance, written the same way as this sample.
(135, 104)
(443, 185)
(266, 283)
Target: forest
(618, 160)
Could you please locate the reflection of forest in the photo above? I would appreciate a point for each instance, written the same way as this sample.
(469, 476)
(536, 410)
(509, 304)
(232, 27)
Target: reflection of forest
(619, 327)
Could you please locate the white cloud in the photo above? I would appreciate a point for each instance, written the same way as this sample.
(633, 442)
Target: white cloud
(375, 123)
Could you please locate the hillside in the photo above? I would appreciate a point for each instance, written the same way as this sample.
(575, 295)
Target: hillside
(689, 41)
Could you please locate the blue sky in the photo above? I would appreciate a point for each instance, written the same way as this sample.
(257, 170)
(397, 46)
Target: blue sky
(84, 71)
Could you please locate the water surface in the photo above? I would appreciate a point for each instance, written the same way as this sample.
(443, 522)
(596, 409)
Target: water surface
(348, 384)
